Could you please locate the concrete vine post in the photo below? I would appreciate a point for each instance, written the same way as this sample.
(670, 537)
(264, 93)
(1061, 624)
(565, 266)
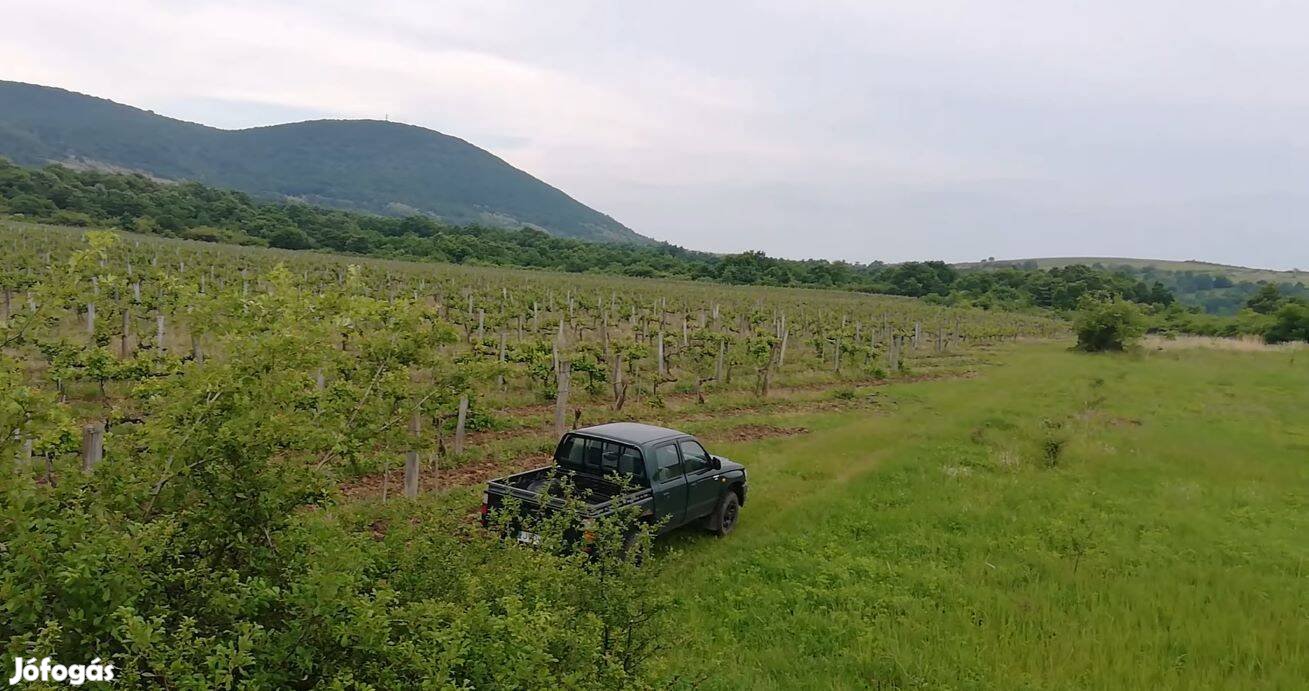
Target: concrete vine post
(411, 458)
(561, 397)
(500, 378)
(460, 423)
(93, 445)
(620, 387)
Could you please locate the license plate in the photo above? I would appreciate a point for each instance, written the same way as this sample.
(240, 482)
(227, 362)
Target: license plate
(528, 538)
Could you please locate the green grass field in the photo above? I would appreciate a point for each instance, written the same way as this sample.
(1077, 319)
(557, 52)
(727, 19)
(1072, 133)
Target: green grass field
(1059, 521)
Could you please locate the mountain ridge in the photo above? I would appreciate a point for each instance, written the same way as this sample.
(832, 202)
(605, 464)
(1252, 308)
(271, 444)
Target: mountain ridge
(370, 165)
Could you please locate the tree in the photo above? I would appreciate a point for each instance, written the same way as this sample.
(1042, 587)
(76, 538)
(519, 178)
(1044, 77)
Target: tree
(290, 238)
(1267, 300)
(1292, 324)
(1108, 325)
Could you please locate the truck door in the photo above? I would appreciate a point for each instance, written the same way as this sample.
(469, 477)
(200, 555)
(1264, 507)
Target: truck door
(669, 484)
(702, 485)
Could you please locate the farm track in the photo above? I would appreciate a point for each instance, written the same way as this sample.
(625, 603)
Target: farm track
(479, 470)
(940, 366)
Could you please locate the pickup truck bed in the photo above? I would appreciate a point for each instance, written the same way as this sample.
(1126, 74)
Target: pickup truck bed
(534, 488)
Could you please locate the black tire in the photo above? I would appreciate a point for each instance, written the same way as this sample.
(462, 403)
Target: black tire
(727, 514)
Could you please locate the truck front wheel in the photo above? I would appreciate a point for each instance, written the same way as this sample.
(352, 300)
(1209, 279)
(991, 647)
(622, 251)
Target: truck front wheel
(729, 509)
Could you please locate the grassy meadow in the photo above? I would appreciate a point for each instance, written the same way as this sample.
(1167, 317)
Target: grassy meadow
(1058, 521)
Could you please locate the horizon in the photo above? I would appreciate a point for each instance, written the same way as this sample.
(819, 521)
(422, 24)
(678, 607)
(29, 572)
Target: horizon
(953, 262)
(967, 134)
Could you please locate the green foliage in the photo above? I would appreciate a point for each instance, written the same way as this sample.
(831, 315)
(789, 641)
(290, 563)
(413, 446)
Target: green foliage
(1267, 300)
(196, 211)
(1179, 319)
(1292, 323)
(209, 551)
(1216, 291)
(1107, 325)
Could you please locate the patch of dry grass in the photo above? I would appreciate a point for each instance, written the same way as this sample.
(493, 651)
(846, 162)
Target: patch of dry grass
(1246, 344)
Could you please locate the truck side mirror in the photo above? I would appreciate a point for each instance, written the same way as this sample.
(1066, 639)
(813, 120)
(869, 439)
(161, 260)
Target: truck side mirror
(715, 462)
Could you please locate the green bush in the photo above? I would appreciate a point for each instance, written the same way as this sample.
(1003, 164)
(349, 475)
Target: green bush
(1292, 324)
(1103, 325)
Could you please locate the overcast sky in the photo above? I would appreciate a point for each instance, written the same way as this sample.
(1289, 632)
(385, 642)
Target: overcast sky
(853, 130)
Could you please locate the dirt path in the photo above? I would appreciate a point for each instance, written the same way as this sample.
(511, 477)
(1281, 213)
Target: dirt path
(481, 470)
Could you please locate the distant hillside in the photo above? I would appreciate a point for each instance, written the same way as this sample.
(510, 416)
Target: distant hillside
(1236, 273)
(382, 167)
(1217, 288)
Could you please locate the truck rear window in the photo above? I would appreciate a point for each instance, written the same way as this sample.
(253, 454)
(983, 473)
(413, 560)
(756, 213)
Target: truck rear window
(601, 457)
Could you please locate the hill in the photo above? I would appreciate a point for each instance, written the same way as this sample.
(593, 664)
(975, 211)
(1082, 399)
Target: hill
(1236, 273)
(1215, 288)
(368, 165)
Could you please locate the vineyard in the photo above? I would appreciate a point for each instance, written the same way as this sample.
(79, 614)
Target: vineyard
(250, 468)
(231, 465)
(395, 359)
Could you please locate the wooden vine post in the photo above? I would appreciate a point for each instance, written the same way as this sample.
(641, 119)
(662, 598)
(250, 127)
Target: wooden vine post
(127, 332)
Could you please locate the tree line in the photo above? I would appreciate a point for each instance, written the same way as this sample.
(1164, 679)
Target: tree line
(195, 211)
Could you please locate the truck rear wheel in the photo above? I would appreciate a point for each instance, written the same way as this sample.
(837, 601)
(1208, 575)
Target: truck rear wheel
(725, 516)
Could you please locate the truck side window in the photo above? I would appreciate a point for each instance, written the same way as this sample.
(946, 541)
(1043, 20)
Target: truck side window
(667, 463)
(630, 464)
(694, 456)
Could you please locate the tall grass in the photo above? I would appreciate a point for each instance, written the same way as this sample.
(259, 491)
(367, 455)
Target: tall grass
(1062, 521)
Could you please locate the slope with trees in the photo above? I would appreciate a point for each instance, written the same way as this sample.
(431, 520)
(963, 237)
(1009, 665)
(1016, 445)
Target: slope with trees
(383, 167)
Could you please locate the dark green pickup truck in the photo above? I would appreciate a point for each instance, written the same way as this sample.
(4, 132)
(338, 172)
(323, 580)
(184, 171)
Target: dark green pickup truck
(670, 476)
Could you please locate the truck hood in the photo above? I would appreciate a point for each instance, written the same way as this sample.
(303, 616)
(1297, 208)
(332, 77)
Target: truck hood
(728, 464)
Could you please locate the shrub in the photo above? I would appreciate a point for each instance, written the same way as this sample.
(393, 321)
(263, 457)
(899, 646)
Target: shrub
(1051, 449)
(1108, 325)
(1292, 324)
(290, 238)
(844, 393)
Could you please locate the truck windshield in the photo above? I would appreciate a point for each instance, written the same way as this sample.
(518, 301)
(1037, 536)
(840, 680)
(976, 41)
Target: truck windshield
(601, 457)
